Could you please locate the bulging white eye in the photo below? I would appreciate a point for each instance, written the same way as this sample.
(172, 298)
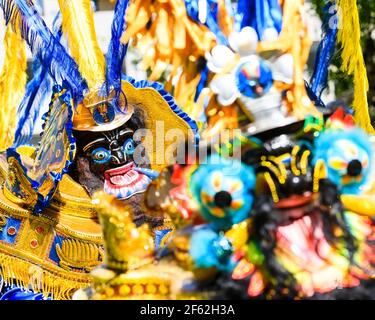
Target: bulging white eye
(100, 155)
(129, 146)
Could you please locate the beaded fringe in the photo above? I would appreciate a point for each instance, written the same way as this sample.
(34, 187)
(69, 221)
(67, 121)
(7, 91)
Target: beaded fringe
(23, 273)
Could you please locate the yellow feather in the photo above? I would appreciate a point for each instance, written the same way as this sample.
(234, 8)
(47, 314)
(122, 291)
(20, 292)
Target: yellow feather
(225, 20)
(78, 25)
(12, 85)
(349, 35)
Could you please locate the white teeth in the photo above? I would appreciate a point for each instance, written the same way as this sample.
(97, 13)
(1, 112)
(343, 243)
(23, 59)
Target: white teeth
(110, 190)
(130, 187)
(118, 180)
(125, 179)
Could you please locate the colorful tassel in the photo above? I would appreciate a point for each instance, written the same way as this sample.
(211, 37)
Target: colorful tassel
(61, 285)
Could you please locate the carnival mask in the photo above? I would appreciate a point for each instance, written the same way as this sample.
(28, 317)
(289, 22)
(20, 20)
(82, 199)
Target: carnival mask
(105, 160)
(346, 153)
(223, 189)
(347, 157)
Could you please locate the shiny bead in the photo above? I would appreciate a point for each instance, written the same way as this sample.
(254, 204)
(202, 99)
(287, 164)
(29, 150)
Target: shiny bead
(150, 288)
(223, 248)
(39, 229)
(12, 231)
(124, 290)
(163, 289)
(109, 292)
(138, 289)
(33, 243)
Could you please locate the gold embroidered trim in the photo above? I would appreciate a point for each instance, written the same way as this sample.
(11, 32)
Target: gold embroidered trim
(77, 254)
(19, 212)
(3, 167)
(72, 199)
(15, 173)
(72, 208)
(3, 222)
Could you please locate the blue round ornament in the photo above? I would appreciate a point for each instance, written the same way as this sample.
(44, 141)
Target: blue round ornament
(104, 113)
(254, 78)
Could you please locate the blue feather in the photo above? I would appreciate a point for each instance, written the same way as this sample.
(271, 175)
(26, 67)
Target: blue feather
(319, 79)
(116, 50)
(318, 102)
(44, 45)
(37, 90)
(259, 14)
(36, 93)
(192, 9)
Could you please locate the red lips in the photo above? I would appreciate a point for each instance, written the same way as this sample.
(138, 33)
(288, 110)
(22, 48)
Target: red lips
(122, 176)
(294, 201)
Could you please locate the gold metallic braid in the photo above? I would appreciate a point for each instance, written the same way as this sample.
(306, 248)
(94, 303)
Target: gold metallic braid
(272, 186)
(26, 196)
(3, 222)
(52, 219)
(280, 166)
(304, 161)
(319, 173)
(277, 170)
(293, 163)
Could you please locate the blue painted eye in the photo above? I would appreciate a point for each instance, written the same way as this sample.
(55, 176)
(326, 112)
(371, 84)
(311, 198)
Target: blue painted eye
(100, 155)
(129, 146)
